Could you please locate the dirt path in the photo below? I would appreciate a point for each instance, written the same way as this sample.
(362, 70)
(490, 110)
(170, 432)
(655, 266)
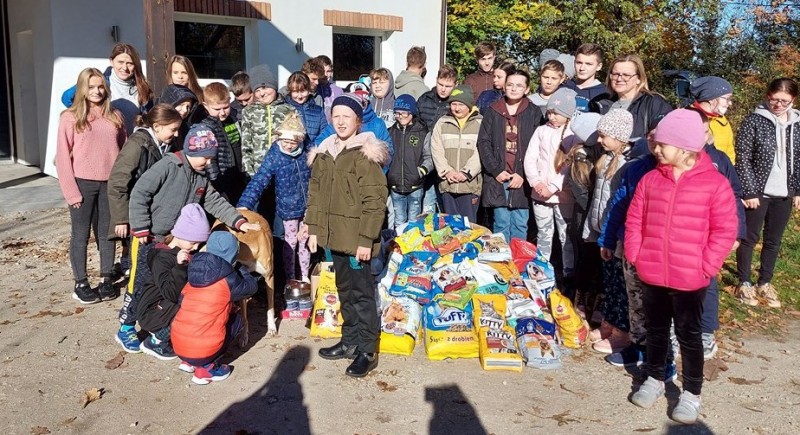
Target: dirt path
(52, 351)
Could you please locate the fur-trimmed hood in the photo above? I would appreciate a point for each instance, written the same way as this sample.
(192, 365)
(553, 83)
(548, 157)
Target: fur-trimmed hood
(373, 148)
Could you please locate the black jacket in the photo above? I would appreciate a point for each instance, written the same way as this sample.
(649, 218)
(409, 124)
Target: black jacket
(158, 302)
(647, 110)
(431, 108)
(492, 150)
(412, 157)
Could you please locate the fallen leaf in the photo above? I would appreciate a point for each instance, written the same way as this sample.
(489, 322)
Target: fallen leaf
(39, 430)
(712, 369)
(765, 358)
(310, 368)
(645, 429)
(117, 361)
(68, 421)
(564, 418)
(79, 310)
(743, 381)
(300, 338)
(49, 354)
(751, 408)
(581, 395)
(386, 387)
(743, 352)
(90, 396)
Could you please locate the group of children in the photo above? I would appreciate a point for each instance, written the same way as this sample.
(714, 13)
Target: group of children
(643, 222)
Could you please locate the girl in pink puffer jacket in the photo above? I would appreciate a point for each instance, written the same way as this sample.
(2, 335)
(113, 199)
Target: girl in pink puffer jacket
(680, 227)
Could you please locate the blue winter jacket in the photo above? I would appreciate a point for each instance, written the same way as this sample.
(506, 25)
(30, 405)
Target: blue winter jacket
(313, 117)
(369, 122)
(291, 176)
(614, 227)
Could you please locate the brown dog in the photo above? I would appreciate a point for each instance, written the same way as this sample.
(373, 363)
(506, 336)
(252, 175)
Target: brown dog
(255, 253)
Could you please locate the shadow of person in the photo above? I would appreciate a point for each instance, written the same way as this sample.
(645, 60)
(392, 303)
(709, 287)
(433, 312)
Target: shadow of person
(698, 428)
(276, 408)
(452, 412)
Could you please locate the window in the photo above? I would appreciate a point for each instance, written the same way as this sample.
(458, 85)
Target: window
(217, 51)
(354, 55)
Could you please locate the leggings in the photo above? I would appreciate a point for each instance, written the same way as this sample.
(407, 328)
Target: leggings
(771, 216)
(294, 247)
(92, 215)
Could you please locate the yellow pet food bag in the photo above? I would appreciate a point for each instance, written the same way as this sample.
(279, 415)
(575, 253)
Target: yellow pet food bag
(571, 327)
(449, 332)
(326, 320)
(498, 349)
(400, 320)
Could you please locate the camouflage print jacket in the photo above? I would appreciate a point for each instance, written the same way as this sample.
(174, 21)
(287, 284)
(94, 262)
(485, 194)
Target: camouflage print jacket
(258, 123)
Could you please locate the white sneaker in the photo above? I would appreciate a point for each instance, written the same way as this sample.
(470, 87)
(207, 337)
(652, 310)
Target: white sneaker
(709, 346)
(746, 294)
(649, 392)
(688, 408)
(767, 291)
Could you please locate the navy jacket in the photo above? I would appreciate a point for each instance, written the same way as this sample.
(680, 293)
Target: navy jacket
(291, 175)
(206, 269)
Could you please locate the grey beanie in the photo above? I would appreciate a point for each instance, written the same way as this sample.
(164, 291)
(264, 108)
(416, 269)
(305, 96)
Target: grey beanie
(563, 102)
(709, 88)
(547, 54)
(568, 61)
(261, 77)
(617, 123)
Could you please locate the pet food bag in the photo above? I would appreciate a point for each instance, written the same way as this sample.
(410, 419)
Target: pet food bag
(326, 319)
(541, 272)
(571, 327)
(489, 280)
(498, 349)
(400, 321)
(489, 311)
(494, 248)
(536, 341)
(522, 252)
(413, 278)
(386, 278)
(449, 332)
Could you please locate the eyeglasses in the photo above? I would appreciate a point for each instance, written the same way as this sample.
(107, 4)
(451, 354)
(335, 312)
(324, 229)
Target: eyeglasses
(624, 77)
(516, 86)
(779, 102)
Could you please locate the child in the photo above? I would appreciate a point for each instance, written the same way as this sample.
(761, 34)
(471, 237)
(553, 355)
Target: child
(713, 96)
(327, 88)
(488, 97)
(260, 118)
(454, 149)
(153, 138)
(90, 134)
(242, 92)
(481, 80)
(356, 216)
(588, 62)
(614, 130)
(552, 200)
(155, 203)
(382, 88)
(286, 164)
(225, 171)
(413, 163)
(207, 321)
(680, 227)
(505, 133)
(300, 92)
(167, 268)
(181, 72)
(410, 81)
(551, 77)
(185, 102)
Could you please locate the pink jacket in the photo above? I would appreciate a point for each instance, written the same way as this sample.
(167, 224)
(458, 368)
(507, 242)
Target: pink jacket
(678, 233)
(540, 162)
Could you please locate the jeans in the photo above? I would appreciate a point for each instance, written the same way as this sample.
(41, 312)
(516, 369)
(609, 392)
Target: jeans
(511, 222)
(431, 201)
(92, 215)
(772, 215)
(710, 320)
(406, 206)
(663, 305)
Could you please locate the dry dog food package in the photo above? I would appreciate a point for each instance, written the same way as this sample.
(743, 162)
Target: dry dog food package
(451, 277)
(413, 240)
(326, 319)
(489, 311)
(536, 341)
(522, 308)
(571, 327)
(386, 278)
(542, 273)
(536, 293)
(449, 332)
(495, 248)
(489, 280)
(457, 299)
(506, 269)
(498, 349)
(400, 321)
(517, 289)
(413, 278)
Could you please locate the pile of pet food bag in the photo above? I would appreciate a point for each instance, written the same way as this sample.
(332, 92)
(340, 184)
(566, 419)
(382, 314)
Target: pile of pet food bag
(462, 292)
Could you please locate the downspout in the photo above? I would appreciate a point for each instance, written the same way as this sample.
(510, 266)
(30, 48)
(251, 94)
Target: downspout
(443, 35)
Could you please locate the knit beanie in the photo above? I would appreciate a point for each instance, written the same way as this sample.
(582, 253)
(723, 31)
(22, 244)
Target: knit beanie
(462, 94)
(585, 125)
(617, 123)
(176, 94)
(200, 142)
(406, 103)
(682, 129)
(709, 88)
(354, 102)
(563, 102)
(291, 127)
(224, 245)
(568, 61)
(261, 77)
(192, 224)
(547, 54)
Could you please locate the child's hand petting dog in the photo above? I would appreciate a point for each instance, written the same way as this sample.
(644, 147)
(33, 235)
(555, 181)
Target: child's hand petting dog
(248, 226)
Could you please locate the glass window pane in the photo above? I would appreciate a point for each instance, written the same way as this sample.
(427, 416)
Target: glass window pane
(353, 55)
(217, 51)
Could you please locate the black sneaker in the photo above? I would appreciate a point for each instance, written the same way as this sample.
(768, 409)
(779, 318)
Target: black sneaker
(107, 291)
(162, 351)
(85, 294)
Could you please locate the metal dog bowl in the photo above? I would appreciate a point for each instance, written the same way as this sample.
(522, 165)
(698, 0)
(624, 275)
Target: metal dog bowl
(297, 289)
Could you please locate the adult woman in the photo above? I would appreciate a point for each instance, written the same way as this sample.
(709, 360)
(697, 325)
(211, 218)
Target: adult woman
(507, 127)
(628, 82)
(130, 92)
(489, 96)
(767, 162)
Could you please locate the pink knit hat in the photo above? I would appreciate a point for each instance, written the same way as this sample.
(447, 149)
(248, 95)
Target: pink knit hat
(682, 129)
